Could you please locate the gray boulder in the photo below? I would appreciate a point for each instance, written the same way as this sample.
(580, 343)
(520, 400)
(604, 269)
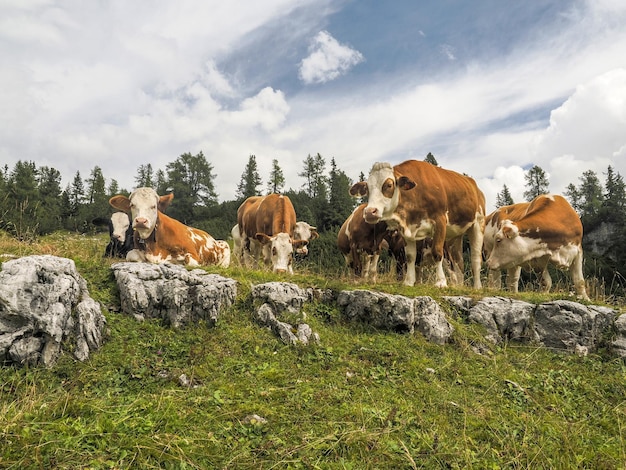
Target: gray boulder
(45, 307)
(505, 319)
(618, 346)
(397, 313)
(278, 306)
(563, 324)
(172, 293)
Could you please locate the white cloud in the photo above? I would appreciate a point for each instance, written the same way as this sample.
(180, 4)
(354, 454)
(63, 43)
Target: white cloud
(328, 59)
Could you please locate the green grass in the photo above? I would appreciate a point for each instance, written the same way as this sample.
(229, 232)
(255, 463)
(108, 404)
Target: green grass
(361, 399)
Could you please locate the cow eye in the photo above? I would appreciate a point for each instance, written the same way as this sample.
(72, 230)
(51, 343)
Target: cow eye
(274, 252)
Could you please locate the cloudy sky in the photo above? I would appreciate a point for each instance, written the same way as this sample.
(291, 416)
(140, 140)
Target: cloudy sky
(490, 87)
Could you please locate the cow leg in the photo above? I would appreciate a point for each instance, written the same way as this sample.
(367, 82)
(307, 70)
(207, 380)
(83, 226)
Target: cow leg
(373, 266)
(411, 253)
(475, 236)
(455, 255)
(576, 272)
(494, 279)
(512, 278)
(546, 280)
(247, 257)
(136, 255)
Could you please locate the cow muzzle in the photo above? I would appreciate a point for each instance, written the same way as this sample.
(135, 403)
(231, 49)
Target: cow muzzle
(372, 215)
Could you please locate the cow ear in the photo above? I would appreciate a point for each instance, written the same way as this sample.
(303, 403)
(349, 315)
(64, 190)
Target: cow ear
(405, 183)
(359, 189)
(164, 201)
(120, 202)
(299, 243)
(263, 238)
(510, 231)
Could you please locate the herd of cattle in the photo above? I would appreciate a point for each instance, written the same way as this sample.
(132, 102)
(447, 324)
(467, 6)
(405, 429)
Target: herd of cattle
(419, 211)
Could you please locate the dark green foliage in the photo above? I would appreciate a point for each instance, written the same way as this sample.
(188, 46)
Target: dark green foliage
(536, 183)
(430, 158)
(250, 180)
(504, 198)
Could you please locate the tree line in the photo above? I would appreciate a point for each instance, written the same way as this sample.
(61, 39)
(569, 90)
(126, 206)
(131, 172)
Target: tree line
(33, 202)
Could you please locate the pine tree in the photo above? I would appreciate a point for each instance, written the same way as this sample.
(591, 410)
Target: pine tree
(430, 158)
(313, 172)
(49, 189)
(503, 198)
(276, 182)
(145, 176)
(536, 182)
(190, 177)
(614, 194)
(250, 180)
(590, 194)
(340, 203)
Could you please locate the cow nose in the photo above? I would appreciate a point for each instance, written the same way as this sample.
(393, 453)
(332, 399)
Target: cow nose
(371, 213)
(141, 222)
(281, 271)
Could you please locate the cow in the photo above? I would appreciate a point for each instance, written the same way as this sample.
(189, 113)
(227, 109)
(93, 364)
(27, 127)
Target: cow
(533, 235)
(266, 227)
(422, 200)
(159, 238)
(361, 244)
(120, 234)
(304, 231)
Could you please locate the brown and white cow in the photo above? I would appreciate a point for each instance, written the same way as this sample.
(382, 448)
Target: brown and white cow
(304, 231)
(269, 221)
(158, 238)
(422, 200)
(532, 235)
(361, 244)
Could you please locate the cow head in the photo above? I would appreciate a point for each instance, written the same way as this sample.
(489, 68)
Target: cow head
(304, 231)
(279, 250)
(508, 249)
(119, 223)
(383, 190)
(143, 204)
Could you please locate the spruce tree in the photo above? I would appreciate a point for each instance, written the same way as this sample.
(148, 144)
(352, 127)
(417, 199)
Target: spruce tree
(536, 182)
(276, 182)
(503, 198)
(250, 180)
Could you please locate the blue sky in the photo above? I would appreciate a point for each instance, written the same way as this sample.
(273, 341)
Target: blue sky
(490, 87)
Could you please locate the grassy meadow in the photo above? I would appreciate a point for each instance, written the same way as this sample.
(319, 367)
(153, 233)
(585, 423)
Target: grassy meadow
(361, 399)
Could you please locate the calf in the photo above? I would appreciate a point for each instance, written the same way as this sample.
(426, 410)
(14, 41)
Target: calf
(534, 234)
(421, 201)
(158, 238)
(266, 226)
(361, 244)
(120, 234)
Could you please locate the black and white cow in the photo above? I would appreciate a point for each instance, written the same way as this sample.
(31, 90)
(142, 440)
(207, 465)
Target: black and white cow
(120, 233)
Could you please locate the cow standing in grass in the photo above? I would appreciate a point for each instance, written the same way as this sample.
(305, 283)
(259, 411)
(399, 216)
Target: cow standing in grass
(266, 228)
(421, 201)
(533, 235)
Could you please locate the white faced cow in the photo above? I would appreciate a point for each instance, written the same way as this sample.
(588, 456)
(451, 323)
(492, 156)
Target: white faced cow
(304, 231)
(269, 221)
(120, 234)
(159, 238)
(421, 201)
(532, 235)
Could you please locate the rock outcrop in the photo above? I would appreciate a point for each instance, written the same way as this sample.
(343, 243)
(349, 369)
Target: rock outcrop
(278, 306)
(172, 293)
(45, 308)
